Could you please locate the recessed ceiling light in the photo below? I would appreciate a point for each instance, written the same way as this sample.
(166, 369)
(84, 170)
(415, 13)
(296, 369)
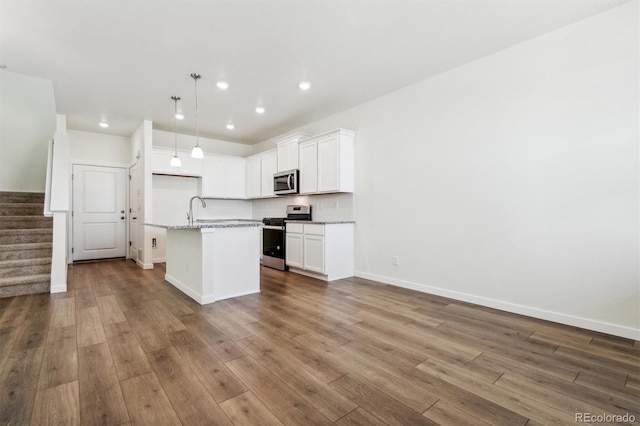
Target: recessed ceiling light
(179, 116)
(260, 110)
(222, 85)
(230, 126)
(304, 85)
(103, 124)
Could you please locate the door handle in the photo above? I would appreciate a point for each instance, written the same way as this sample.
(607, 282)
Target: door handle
(122, 211)
(134, 218)
(122, 217)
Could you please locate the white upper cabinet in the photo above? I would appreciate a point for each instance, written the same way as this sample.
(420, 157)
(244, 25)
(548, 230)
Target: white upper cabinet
(269, 167)
(223, 177)
(161, 159)
(288, 151)
(308, 155)
(254, 187)
(326, 162)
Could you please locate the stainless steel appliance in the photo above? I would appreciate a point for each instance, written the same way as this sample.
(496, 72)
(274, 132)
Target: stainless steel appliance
(274, 238)
(286, 183)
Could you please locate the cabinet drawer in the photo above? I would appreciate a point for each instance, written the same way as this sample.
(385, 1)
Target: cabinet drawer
(295, 227)
(314, 229)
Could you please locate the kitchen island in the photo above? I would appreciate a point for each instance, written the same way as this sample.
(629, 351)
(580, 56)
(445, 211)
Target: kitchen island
(214, 260)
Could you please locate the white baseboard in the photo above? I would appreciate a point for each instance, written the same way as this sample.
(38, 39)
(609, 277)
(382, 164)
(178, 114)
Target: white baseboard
(144, 265)
(589, 324)
(308, 273)
(61, 288)
(159, 259)
(237, 295)
(203, 300)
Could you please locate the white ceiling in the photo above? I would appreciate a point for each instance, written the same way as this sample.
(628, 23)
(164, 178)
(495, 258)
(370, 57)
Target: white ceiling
(122, 60)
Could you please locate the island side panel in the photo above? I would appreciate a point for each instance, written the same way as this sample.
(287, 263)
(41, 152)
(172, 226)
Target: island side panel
(184, 262)
(236, 260)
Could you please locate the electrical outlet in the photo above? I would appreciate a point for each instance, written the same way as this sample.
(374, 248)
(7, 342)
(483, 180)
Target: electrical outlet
(154, 243)
(394, 260)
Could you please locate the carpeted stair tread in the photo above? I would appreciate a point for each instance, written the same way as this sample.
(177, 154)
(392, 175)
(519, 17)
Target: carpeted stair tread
(25, 231)
(22, 197)
(25, 222)
(25, 262)
(23, 289)
(25, 279)
(25, 246)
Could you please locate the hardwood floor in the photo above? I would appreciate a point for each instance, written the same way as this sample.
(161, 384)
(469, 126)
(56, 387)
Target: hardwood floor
(123, 346)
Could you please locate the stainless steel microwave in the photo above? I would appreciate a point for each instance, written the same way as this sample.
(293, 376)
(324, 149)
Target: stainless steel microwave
(285, 183)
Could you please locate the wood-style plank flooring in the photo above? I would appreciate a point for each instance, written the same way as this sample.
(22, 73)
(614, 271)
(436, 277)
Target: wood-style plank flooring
(123, 346)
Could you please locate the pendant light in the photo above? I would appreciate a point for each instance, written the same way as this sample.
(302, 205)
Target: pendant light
(197, 151)
(175, 161)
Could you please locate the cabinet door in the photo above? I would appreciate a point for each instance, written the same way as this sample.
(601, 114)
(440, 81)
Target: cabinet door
(214, 177)
(313, 253)
(308, 157)
(253, 177)
(283, 158)
(292, 156)
(160, 163)
(236, 178)
(191, 166)
(328, 164)
(294, 250)
(269, 165)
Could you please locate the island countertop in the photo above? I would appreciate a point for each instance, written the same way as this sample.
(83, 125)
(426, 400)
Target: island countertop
(212, 223)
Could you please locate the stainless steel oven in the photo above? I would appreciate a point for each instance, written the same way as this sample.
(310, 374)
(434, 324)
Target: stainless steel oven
(274, 238)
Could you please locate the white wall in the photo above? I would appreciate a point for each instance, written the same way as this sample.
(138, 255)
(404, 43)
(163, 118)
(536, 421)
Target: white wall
(99, 149)
(511, 181)
(27, 123)
(141, 153)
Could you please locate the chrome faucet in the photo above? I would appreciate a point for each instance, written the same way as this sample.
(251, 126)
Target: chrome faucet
(190, 214)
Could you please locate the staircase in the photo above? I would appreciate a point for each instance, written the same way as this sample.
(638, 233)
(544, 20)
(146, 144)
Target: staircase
(25, 244)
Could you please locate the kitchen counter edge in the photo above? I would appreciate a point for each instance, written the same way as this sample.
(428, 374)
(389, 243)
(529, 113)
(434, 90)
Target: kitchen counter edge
(209, 225)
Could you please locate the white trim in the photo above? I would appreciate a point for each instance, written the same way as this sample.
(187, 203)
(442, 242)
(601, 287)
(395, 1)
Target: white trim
(144, 265)
(82, 162)
(237, 295)
(308, 274)
(58, 289)
(203, 300)
(159, 260)
(589, 324)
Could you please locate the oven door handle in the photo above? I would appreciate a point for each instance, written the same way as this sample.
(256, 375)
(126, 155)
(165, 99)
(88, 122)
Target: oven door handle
(275, 228)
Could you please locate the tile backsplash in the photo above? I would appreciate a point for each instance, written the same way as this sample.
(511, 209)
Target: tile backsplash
(325, 207)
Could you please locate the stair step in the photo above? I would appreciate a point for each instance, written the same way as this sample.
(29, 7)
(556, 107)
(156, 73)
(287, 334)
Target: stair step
(25, 251)
(22, 197)
(21, 209)
(20, 267)
(25, 222)
(28, 284)
(20, 236)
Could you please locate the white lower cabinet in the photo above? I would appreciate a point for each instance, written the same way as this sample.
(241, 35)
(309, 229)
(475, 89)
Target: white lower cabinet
(313, 251)
(324, 251)
(294, 250)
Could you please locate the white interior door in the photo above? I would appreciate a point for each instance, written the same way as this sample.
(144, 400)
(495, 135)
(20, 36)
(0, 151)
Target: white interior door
(99, 206)
(134, 208)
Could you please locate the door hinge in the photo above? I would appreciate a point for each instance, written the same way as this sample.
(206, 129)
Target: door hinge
(71, 213)
(129, 177)
(129, 243)
(129, 210)
(71, 176)
(71, 249)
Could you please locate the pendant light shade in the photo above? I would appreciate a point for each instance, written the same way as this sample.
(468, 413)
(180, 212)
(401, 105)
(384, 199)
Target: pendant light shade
(175, 161)
(197, 151)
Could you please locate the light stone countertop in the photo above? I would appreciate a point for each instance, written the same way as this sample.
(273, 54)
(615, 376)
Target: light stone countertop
(321, 222)
(213, 223)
